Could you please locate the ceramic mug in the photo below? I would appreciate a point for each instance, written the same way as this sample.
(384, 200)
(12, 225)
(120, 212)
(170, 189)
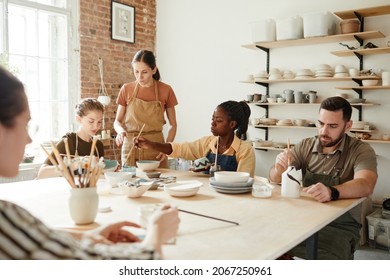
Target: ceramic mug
(312, 97)
(298, 97)
(250, 97)
(353, 72)
(289, 95)
(256, 97)
(299, 122)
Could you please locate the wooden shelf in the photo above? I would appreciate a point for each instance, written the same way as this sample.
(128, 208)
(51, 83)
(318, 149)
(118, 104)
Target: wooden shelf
(317, 40)
(361, 130)
(327, 79)
(285, 126)
(367, 12)
(344, 53)
(364, 104)
(364, 87)
(377, 141)
(285, 104)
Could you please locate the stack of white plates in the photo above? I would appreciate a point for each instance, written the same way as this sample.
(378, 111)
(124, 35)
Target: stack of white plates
(231, 188)
(323, 70)
(304, 74)
(267, 121)
(284, 122)
(262, 75)
(340, 71)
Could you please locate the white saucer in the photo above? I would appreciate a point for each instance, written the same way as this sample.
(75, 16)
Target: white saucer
(213, 182)
(232, 188)
(242, 190)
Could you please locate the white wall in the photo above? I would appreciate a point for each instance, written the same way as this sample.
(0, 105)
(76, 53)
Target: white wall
(199, 52)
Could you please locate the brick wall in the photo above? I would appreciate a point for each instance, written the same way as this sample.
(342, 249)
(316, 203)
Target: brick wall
(95, 42)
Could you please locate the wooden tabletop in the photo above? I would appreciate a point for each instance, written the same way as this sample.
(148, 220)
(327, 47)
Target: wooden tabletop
(268, 227)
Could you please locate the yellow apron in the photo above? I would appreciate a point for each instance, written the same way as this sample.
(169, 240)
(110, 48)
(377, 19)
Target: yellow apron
(139, 112)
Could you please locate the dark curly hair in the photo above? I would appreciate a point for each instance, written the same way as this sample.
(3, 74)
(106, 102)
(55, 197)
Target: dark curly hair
(239, 112)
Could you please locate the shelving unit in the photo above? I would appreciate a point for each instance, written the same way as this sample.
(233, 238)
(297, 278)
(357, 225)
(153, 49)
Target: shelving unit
(346, 53)
(359, 36)
(359, 53)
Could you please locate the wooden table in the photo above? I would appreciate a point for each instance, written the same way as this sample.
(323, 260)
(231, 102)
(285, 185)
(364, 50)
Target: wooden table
(268, 227)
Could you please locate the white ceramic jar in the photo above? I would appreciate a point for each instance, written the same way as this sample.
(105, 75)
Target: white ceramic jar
(83, 205)
(290, 188)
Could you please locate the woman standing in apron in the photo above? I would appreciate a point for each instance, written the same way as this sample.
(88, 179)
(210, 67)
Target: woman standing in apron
(229, 123)
(142, 104)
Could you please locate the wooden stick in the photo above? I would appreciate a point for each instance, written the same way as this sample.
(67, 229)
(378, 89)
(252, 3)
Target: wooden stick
(67, 147)
(197, 214)
(52, 160)
(216, 154)
(288, 147)
(64, 169)
(90, 160)
(131, 149)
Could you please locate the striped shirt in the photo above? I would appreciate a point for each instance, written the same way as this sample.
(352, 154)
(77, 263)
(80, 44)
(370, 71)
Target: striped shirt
(24, 237)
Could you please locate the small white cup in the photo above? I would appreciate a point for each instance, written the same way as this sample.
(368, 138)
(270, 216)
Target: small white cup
(353, 72)
(145, 212)
(261, 190)
(255, 121)
(386, 78)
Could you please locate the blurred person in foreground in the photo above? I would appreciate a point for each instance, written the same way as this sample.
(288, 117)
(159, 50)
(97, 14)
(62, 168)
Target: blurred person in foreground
(23, 236)
(334, 166)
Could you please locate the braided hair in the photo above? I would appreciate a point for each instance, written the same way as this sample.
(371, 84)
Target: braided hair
(239, 112)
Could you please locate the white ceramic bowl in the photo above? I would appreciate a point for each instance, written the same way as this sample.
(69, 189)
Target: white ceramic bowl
(271, 100)
(134, 191)
(110, 165)
(183, 188)
(369, 82)
(115, 177)
(231, 176)
(147, 165)
(358, 125)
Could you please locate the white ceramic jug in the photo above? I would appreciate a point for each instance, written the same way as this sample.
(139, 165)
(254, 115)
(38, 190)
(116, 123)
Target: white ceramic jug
(290, 187)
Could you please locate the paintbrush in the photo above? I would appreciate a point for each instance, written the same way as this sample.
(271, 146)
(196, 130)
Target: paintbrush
(209, 217)
(132, 147)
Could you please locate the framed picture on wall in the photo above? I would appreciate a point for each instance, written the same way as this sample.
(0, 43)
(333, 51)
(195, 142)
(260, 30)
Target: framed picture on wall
(122, 22)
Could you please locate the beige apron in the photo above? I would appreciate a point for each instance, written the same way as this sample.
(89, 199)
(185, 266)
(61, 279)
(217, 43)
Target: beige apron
(139, 112)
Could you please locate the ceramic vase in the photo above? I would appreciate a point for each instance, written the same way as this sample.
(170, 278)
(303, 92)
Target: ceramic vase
(83, 205)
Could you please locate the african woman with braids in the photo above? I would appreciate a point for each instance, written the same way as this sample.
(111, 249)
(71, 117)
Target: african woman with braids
(229, 122)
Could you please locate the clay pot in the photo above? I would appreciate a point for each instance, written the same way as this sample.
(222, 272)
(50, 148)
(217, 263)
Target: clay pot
(349, 26)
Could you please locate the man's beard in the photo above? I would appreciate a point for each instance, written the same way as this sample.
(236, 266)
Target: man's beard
(332, 143)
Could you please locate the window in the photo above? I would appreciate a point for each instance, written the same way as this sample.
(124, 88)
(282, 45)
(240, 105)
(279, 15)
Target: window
(38, 48)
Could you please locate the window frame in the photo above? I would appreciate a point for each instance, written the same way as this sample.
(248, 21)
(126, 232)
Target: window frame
(71, 11)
